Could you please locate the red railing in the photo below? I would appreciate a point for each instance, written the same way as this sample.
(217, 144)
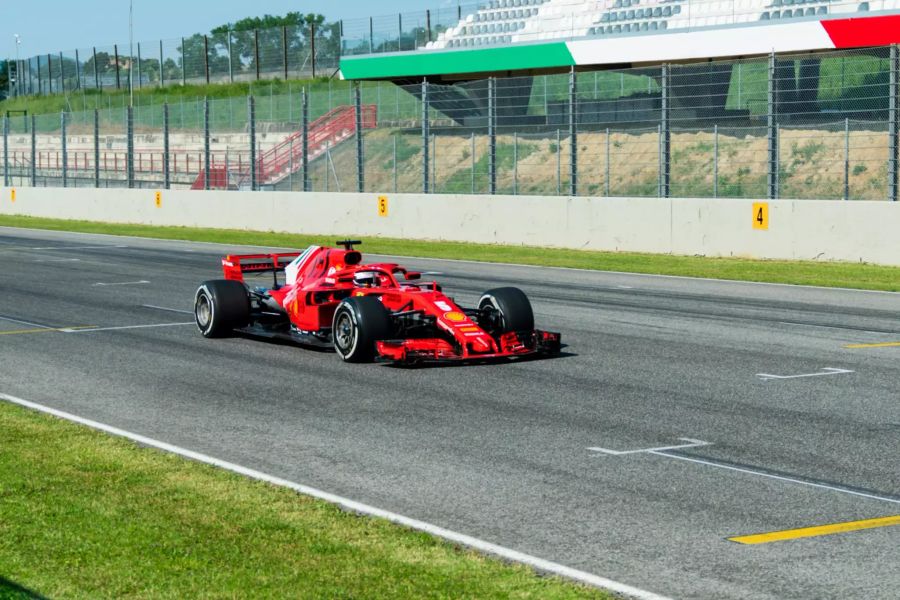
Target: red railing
(287, 156)
(227, 169)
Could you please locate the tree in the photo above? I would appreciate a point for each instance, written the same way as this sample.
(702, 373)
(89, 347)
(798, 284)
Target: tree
(274, 33)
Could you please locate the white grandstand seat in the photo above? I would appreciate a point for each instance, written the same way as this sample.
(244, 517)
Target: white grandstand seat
(511, 21)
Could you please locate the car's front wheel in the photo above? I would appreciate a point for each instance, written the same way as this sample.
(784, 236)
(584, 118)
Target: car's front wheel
(504, 310)
(359, 323)
(220, 306)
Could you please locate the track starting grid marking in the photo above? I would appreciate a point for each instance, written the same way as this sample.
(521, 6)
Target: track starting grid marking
(775, 536)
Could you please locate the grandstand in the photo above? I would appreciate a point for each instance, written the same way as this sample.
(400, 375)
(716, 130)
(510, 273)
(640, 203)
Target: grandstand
(517, 21)
(522, 37)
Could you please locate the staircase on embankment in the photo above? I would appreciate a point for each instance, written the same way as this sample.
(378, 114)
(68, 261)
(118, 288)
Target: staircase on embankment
(286, 157)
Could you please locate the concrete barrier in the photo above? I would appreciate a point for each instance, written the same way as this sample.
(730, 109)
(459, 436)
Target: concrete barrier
(795, 229)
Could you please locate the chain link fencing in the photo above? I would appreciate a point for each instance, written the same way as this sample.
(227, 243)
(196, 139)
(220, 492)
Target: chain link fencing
(821, 126)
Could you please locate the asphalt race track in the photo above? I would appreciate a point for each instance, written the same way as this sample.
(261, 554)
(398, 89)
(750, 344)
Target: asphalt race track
(780, 425)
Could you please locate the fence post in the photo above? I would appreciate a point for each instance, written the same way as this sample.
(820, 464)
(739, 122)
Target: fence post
(284, 50)
(206, 57)
(251, 121)
(428, 24)
(371, 36)
(846, 158)
(772, 131)
(162, 70)
(608, 167)
(492, 136)
(304, 140)
(659, 160)
(183, 64)
(515, 163)
(140, 74)
(65, 149)
(715, 161)
(118, 78)
(50, 74)
(6, 177)
(893, 128)
(33, 151)
(6, 151)
(96, 148)
(129, 130)
(395, 163)
(665, 167)
(77, 72)
(472, 144)
(167, 174)
(434, 161)
(360, 155)
(230, 59)
(425, 139)
(312, 51)
(558, 162)
(573, 133)
(206, 156)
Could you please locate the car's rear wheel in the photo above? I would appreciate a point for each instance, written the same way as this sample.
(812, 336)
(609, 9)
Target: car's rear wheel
(504, 310)
(358, 324)
(221, 306)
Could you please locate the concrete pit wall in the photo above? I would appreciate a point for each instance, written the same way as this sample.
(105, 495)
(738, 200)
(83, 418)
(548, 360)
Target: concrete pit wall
(797, 229)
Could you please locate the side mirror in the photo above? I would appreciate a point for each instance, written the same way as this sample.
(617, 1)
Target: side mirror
(412, 275)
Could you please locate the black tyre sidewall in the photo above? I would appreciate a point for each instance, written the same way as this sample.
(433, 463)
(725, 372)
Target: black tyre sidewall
(371, 323)
(229, 306)
(513, 305)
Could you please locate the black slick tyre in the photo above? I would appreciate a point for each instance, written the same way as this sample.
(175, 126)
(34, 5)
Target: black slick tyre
(506, 309)
(358, 323)
(220, 306)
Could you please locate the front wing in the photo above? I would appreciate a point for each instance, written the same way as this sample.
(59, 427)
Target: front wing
(431, 350)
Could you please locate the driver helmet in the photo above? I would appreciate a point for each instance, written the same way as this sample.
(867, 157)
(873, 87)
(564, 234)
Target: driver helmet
(365, 279)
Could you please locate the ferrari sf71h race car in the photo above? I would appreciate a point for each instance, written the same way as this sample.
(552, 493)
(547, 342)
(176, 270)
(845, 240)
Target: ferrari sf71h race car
(380, 311)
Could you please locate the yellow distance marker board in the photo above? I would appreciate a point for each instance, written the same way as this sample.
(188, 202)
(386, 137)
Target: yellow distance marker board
(761, 215)
(158, 198)
(382, 206)
(12, 194)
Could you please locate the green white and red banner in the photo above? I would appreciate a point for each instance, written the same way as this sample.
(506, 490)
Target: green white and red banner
(679, 45)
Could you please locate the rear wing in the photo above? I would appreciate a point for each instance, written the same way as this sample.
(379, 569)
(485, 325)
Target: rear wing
(235, 266)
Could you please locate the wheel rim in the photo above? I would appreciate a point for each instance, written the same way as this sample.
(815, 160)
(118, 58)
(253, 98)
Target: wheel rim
(203, 311)
(344, 332)
(497, 319)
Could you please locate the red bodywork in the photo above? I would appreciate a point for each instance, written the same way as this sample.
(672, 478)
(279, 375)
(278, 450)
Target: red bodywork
(325, 276)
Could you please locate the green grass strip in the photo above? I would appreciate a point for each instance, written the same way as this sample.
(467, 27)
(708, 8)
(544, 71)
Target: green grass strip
(826, 274)
(84, 514)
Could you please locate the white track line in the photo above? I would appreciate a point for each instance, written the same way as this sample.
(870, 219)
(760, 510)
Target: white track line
(174, 310)
(778, 477)
(358, 507)
(691, 443)
(123, 328)
(28, 323)
(141, 282)
(78, 247)
(822, 373)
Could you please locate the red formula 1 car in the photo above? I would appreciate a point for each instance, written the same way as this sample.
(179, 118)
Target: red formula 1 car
(380, 311)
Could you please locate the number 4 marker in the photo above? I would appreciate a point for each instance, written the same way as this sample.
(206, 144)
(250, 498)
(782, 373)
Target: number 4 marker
(761, 216)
